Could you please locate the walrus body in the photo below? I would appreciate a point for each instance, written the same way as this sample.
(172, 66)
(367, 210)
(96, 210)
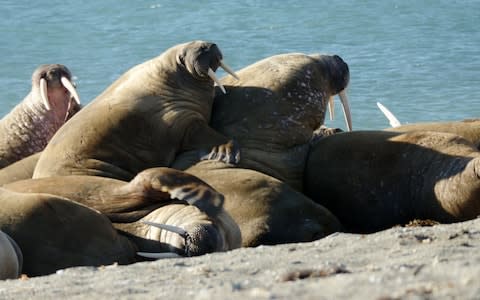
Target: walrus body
(11, 258)
(142, 120)
(159, 195)
(55, 233)
(32, 123)
(275, 107)
(19, 170)
(267, 210)
(372, 180)
(469, 129)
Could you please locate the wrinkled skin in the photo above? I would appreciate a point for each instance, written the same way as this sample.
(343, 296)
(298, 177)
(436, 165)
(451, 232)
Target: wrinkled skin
(372, 180)
(156, 194)
(55, 233)
(274, 109)
(143, 119)
(11, 258)
(469, 129)
(30, 125)
(267, 210)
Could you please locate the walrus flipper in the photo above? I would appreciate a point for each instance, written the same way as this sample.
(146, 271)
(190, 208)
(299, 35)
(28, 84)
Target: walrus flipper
(228, 153)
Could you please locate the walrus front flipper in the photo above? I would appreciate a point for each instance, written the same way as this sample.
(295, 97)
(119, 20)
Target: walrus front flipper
(228, 153)
(211, 144)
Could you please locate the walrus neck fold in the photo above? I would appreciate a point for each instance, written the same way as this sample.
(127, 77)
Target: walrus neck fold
(28, 128)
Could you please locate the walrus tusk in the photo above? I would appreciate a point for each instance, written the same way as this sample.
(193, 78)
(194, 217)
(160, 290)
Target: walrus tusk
(229, 70)
(346, 109)
(394, 122)
(44, 93)
(159, 255)
(331, 108)
(69, 86)
(171, 228)
(212, 75)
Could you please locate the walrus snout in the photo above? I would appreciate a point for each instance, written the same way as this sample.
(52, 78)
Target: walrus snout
(203, 59)
(55, 76)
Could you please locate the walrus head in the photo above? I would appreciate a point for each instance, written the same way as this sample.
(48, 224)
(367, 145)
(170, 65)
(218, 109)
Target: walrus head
(55, 84)
(275, 108)
(202, 59)
(340, 79)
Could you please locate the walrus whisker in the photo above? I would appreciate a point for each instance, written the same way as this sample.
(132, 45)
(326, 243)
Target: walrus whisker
(69, 86)
(160, 255)
(212, 75)
(331, 108)
(170, 228)
(229, 70)
(44, 93)
(346, 109)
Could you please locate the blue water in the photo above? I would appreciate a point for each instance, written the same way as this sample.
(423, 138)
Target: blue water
(419, 58)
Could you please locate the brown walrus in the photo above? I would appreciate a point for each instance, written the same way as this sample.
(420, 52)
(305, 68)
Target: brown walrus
(11, 258)
(32, 123)
(158, 195)
(372, 180)
(55, 233)
(143, 119)
(469, 128)
(267, 210)
(19, 170)
(275, 107)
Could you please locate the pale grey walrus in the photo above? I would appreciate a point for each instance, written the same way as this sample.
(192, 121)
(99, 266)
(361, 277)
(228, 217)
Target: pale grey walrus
(143, 119)
(11, 258)
(275, 107)
(267, 210)
(158, 195)
(372, 180)
(32, 123)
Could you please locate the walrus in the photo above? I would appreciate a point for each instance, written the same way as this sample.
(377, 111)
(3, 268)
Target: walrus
(468, 128)
(19, 170)
(372, 180)
(142, 120)
(155, 195)
(11, 258)
(55, 233)
(275, 107)
(267, 210)
(28, 128)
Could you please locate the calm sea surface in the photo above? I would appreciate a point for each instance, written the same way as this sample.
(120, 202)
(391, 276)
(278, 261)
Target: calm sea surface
(419, 58)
